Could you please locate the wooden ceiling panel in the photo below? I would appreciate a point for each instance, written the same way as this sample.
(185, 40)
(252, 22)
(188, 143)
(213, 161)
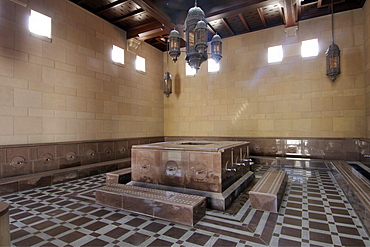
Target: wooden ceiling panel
(120, 10)
(254, 21)
(237, 25)
(136, 21)
(94, 4)
(152, 20)
(272, 14)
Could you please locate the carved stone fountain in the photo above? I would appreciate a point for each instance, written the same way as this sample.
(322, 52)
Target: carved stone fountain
(218, 170)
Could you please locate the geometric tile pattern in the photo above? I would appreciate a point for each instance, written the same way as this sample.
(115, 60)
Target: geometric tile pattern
(314, 212)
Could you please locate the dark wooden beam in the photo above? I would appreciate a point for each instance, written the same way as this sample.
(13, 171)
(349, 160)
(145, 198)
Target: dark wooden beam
(281, 12)
(155, 12)
(224, 21)
(320, 3)
(132, 14)
(211, 29)
(299, 10)
(233, 10)
(262, 17)
(79, 1)
(290, 13)
(159, 41)
(134, 31)
(242, 19)
(153, 33)
(109, 6)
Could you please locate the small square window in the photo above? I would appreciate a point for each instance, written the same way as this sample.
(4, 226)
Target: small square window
(140, 63)
(275, 54)
(118, 55)
(310, 48)
(40, 24)
(213, 67)
(189, 70)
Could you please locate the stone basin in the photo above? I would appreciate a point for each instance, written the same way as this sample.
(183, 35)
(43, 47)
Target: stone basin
(214, 169)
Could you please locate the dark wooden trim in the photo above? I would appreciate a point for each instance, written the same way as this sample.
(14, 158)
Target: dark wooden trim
(109, 6)
(238, 8)
(290, 13)
(242, 19)
(132, 14)
(262, 17)
(224, 21)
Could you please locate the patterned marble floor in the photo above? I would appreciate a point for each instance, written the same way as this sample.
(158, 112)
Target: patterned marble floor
(314, 212)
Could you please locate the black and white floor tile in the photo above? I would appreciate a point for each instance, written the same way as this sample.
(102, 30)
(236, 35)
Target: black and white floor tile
(314, 212)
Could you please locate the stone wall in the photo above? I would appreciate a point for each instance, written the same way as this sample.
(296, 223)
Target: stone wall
(25, 159)
(366, 13)
(69, 89)
(301, 148)
(294, 98)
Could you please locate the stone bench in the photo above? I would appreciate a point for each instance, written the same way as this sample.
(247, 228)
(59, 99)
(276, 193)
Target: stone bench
(167, 205)
(356, 187)
(121, 176)
(267, 193)
(41, 179)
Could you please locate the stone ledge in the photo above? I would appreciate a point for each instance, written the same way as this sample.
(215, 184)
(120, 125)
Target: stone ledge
(357, 189)
(167, 205)
(121, 176)
(267, 193)
(25, 182)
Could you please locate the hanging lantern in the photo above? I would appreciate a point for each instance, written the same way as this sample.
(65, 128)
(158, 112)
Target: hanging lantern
(332, 53)
(193, 57)
(333, 62)
(174, 45)
(167, 83)
(216, 48)
(196, 40)
(201, 37)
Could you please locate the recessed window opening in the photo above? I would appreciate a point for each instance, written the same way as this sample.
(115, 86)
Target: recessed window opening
(213, 67)
(40, 24)
(140, 63)
(310, 48)
(189, 70)
(275, 54)
(118, 55)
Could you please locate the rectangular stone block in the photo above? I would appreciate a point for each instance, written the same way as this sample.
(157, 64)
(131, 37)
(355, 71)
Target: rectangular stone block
(35, 182)
(108, 197)
(267, 193)
(119, 176)
(64, 176)
(167, 205)
(8, 187)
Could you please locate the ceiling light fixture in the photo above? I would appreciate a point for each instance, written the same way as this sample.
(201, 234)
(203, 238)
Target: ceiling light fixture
(332, 53)
(196, 40)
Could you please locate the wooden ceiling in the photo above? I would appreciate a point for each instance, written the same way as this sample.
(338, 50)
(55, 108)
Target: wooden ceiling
(152, 20)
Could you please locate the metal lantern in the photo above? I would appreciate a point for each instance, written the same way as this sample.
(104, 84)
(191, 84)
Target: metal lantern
(216, 48)
(196, 40)
(201, 37)
(193, 57)
(174, 46)
(333, 62)
(167, 83)
(332, 53)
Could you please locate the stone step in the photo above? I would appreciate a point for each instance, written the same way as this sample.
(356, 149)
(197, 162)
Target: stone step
(167, 205)
(267, 193)
(121, 176)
